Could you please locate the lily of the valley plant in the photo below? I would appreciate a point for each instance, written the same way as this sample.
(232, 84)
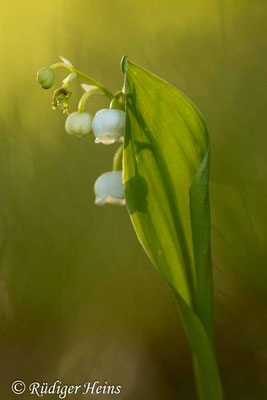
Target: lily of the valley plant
(160, 171)
(108, 125)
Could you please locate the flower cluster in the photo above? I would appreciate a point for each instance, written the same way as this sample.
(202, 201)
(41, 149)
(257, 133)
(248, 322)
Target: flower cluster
(107, 125)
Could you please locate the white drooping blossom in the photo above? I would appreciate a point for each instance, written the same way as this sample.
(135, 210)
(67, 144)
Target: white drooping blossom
(79, 123)
(108, 125)
(109, 188)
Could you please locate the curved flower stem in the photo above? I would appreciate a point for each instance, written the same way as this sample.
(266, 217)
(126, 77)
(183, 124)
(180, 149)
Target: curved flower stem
(86, 95)
(85, 77)
(117, 159)
(118, 101)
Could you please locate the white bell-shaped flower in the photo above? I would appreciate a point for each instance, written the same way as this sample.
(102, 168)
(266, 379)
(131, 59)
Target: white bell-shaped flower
(109, 188)
(78, 123)
(108, 125)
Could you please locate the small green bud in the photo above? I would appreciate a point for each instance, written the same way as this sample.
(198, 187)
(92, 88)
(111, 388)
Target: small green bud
(46, 77)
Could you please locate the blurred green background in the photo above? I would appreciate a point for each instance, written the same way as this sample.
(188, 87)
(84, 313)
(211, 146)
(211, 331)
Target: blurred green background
(79, 300)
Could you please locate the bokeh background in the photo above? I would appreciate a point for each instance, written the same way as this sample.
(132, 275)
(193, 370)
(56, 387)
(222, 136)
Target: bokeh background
(79, 300)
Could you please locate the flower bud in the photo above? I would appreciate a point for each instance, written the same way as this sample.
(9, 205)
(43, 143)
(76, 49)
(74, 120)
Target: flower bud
(46, 77)
(108, 125)
(78, 123)
(109, 188)
(61, 99)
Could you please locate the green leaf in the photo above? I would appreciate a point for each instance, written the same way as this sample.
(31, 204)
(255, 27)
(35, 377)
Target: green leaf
(200, 223)
(166, 158)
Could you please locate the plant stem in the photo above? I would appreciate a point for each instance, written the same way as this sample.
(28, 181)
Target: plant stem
(118, 101)
(85, 97)
(117, 159)
(85, 77)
